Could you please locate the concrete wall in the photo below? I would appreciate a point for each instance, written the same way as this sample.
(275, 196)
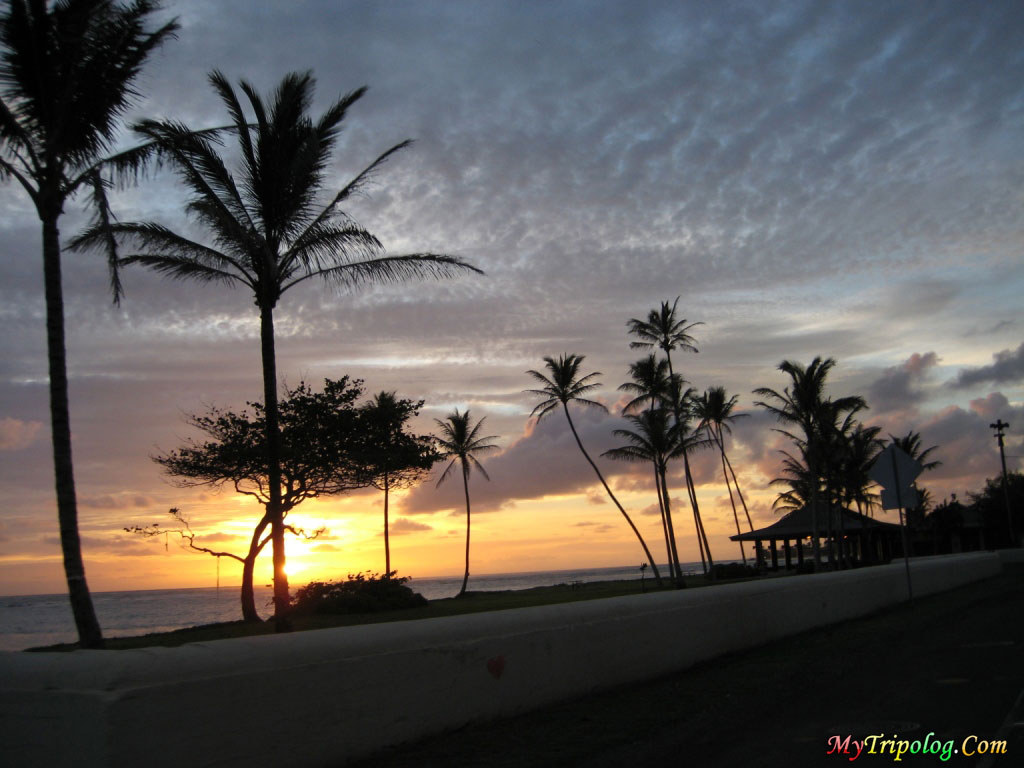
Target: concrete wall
(319, 698)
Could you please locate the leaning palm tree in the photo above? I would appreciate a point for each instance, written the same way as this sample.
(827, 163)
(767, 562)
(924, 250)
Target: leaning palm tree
(66, 75)
(561, 386)
(653, 440)
(715, 412)
(460, 440)
(269, 229)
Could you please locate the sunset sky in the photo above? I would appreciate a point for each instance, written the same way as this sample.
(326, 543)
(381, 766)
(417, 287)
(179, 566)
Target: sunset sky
(810, 178)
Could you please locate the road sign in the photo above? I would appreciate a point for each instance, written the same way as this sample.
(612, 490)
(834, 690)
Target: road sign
(907, 498)
(895, 468)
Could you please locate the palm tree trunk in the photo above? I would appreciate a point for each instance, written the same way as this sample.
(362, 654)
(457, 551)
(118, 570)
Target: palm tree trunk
(702, 539)
(89, 633)
(739, 493)
(274, 508)
(671, 530)
(465, 487)
(728, 487)
(387, 544)
(664, 524)
(696, 512)
(647, 552)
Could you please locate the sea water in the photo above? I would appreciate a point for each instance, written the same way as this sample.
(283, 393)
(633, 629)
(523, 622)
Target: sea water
(30, 621)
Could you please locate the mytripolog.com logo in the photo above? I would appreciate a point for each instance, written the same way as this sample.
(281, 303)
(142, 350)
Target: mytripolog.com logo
(897, 749)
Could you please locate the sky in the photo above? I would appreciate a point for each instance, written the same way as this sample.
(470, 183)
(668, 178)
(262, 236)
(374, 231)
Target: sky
(815, 178)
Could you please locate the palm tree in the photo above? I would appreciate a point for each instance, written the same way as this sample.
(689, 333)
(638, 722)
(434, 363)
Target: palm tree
(650, 386)
(653, 440)
(910, 444)
(268, 230)
(664, 329)
(461, 441)
(66, 74)
(715, 411)
(561, 386)
(803, 403)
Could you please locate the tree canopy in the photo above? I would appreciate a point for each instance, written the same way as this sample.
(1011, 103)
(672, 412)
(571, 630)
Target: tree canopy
(322, 446)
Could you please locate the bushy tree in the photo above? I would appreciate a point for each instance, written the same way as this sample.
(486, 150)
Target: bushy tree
(391, 457)
(322, 445)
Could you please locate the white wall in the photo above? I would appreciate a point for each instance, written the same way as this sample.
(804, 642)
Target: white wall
(318, 698)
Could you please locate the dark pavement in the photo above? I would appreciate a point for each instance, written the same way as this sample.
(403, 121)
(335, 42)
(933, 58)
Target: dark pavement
(945, 668)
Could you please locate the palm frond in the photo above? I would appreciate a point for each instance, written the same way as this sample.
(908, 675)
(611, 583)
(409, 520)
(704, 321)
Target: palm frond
(391, 269)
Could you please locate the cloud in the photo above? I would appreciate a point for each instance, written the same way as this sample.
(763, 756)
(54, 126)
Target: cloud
(325, 548)
(1007, 368)
(598, 528)
(902, 386)
(403, 526)
(121, 500)
(544, 461)
(16, 434)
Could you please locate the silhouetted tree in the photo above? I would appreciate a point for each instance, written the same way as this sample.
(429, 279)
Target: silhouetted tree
(66, 74)
(715, 411)
(321, 454)
(991, 503)
(910, 444)
(258, 541)
(393, 458)
(804, 404)
(665, 330)
(460, 440)
(562, 386)
(268, 230)
(653, 440)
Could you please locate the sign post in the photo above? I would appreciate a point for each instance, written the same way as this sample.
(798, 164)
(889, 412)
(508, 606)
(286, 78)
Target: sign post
(896, 471)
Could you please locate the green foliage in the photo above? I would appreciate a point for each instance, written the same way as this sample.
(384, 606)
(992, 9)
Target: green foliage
(360, 593)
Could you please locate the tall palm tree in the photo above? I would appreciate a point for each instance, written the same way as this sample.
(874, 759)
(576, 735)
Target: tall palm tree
(66, 75)
(803, 404)
(563, 385)
(650, 386)
(665, 330)
(269, 231)
(460, 440)
(715, 411)
(653, 440)
(910, 444)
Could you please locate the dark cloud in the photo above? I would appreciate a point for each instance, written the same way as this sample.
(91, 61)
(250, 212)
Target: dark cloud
(902, 386)
(1007, 368)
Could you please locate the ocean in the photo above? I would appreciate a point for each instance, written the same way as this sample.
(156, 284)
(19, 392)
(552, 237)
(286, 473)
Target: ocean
(30, 621)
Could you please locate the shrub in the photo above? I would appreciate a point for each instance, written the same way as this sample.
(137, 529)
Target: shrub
(360, 593)
(734, 571)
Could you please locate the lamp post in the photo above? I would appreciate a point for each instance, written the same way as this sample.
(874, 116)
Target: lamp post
(999, 426)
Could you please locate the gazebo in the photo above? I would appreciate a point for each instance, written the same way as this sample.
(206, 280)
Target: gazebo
(863, 538)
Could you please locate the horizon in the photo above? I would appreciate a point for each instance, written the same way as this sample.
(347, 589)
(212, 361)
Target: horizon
(811, 178)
